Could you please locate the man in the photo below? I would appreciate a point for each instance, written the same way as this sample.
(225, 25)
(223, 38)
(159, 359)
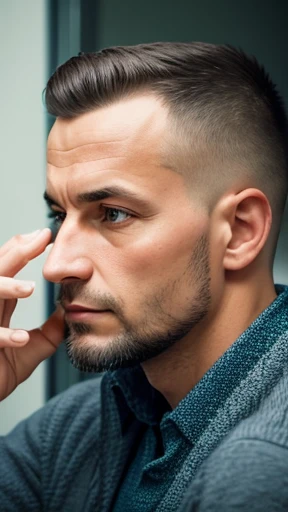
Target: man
(167, 180)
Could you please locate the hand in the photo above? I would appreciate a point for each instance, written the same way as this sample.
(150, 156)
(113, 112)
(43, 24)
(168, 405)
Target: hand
(21, 351)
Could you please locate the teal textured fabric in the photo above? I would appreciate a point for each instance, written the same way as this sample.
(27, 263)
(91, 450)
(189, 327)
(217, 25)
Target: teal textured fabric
(74, 453)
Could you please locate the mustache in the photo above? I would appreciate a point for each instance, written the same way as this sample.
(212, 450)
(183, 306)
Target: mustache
(77, 292)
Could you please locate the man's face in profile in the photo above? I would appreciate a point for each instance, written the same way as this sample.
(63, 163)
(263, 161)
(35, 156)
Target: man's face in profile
(131, 253)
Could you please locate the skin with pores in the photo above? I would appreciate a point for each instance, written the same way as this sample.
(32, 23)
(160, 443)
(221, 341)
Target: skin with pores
(159, 257)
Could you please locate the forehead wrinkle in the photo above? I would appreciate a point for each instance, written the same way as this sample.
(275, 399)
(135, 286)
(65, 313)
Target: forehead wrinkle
(87, 144)
(143, 141)
(62, 161)
(84, 153)
(102, 168)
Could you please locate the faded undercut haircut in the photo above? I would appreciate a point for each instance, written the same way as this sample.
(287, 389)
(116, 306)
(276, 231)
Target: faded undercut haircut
(226, 113)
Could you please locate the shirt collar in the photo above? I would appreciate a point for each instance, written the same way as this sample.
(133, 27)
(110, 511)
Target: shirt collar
(135, 395)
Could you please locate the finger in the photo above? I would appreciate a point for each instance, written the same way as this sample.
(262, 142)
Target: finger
(20, 243)
(9, 306)
(2, 307)
(14, 288)
(22, 251)
(25, 238)
(44, 341)
(53, 328)
(13, 337)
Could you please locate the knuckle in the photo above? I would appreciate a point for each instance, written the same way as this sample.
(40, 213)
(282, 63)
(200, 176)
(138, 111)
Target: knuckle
(18, 239)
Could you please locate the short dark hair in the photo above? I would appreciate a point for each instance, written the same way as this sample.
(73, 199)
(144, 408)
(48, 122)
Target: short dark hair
(214, 93)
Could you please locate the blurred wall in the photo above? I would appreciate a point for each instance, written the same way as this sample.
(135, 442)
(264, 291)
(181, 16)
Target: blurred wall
(22, 164)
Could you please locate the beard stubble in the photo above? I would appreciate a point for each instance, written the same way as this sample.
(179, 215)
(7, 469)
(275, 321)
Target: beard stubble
(153, 333)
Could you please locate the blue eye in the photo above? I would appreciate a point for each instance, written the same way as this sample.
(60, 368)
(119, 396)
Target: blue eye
(111, 215)
(115, 215)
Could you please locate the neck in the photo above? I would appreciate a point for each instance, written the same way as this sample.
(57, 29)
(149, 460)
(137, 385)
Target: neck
(177, 370)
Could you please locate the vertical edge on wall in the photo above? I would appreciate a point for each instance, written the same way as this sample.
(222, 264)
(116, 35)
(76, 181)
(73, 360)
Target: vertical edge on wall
(71, 28)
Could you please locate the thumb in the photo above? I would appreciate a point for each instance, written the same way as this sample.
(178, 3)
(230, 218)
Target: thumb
(45, 340)
(42, 344)
(53, 328)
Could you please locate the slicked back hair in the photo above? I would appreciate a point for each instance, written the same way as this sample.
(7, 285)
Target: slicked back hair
(223, 106)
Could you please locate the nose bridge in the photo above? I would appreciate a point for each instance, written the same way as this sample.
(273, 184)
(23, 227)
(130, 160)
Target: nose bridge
(65, 241)
(68, 257)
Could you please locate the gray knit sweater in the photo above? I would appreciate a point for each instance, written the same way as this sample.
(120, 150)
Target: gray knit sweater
(70, 455)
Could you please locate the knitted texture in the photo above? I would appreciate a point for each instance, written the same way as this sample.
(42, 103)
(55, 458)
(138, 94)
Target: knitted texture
(249, 470)
(44, 457)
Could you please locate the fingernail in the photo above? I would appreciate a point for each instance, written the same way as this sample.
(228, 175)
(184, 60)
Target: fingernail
(27, 286)
(33, 234)
(19, 336)
(44, 231)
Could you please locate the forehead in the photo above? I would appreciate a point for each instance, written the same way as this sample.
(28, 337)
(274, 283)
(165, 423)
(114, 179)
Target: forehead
(124, 143)
(133, 125)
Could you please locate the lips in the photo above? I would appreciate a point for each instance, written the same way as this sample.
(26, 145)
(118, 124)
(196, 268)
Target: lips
(77, 308)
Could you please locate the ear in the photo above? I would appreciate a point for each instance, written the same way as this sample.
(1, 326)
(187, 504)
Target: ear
(250, 217)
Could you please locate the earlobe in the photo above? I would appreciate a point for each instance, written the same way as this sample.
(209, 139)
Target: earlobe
(250, 227)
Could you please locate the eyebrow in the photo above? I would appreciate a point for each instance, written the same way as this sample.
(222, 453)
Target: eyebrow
(100, 194)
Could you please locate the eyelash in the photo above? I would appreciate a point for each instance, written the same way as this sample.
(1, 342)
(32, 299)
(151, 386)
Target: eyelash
(59, 217)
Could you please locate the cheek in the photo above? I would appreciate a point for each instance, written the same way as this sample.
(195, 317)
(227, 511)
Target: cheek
(153, 261)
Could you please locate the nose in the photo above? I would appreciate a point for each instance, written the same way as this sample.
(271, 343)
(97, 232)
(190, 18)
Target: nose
(69, 257)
